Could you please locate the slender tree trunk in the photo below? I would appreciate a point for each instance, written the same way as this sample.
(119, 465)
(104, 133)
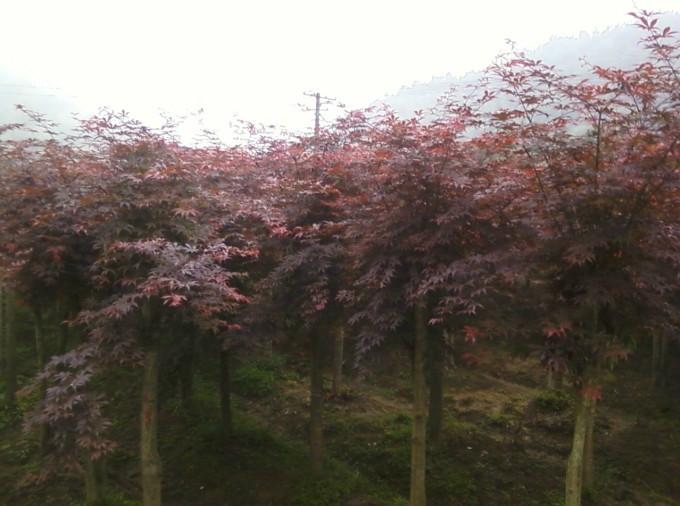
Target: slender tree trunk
(63, 339)
(150, 458)
(186, 376)
(41, 354)
(553, 379)
(93, 483)
(225, 394)
(575, 464)
(589, 450)
(338, 359)
(316, 403)
(656, 358)
(10, 351)
(587, 411)
(63, 315)
(662, 360)
(435, 376)
(3, 329)
(38, 334)
(269, 346)
(419, 429)
(659, 352)
(63, 336)
(449, 341)
(550, 379)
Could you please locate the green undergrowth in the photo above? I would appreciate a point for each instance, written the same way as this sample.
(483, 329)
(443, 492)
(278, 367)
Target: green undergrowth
(257, 466)
(259, 378)
(494, 450)
(553, 401)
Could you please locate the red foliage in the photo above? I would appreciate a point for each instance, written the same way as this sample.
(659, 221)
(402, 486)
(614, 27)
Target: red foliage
(542, 204)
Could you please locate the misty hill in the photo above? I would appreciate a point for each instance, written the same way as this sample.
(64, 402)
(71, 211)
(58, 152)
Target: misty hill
(54, 103)
(617, 47)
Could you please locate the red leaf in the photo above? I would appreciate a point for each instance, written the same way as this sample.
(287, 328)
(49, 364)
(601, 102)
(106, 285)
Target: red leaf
(173, 300)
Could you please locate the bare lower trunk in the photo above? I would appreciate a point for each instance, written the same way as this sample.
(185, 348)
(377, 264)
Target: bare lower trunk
(659, 351)
(63, 315)
(588, 450)
(419, 428)
(3, 329)
(93, 483)
(554, 379)
(316, 404)
(10, 350)
(225, 395)
(575, 464)
(150, 458)
(63, 337)
(449, 340)
(656, 358)
(269, 346)
(435, 376)
(664, 356)
(338, 359)
(186, 377)
(41, 355)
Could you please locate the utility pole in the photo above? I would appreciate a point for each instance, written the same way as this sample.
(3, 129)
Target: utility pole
(317, 114)
(317, 110)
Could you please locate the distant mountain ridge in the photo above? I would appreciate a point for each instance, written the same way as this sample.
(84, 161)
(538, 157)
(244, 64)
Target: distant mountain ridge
(616, 46)
(56, 104)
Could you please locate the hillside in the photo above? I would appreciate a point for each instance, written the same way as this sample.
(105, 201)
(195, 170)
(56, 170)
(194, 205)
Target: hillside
(566, 53)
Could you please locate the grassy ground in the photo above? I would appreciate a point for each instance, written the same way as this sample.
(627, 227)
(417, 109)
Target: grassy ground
(505, 442)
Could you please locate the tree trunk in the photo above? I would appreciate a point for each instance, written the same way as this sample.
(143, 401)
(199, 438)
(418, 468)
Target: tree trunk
(554, 379)
(435, 376)
(316, 403)
(63, 337)
(575, 464)
(588, 450)
(338, 359)
(663, 361)
(62, 313)
(186, 376)
(10, 350)
(150, 458)
(3, 329)
(449, 341)
(550, 379)
(93, 480)
(225, 395)
(656, 358)
(419, 429)
(41, 355)
(41, 352)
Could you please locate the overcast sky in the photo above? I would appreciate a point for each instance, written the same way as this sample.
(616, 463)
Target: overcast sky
(256, 58)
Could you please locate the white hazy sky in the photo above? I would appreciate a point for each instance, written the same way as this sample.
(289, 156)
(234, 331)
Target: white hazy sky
(255, 58)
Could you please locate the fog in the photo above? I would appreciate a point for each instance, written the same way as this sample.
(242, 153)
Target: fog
(254, 60)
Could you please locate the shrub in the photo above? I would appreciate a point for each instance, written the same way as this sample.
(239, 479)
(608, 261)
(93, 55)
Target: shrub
(554, 401)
